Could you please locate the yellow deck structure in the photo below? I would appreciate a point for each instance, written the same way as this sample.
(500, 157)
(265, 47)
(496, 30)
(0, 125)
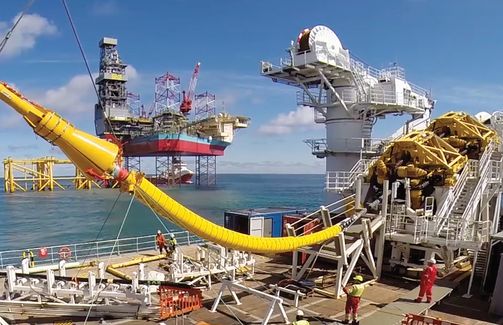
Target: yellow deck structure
(39, 175)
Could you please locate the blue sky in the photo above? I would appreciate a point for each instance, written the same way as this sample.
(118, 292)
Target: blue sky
(453, 47)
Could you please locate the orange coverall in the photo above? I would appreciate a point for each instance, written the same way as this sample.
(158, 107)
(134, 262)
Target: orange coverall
(428, 278)
(161, 243)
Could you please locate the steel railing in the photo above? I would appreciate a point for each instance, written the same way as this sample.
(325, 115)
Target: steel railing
(89, 251)
(453, 194)
(336, 210)
(486, 170)
(394, 71)
(398, 221)
(340, 180)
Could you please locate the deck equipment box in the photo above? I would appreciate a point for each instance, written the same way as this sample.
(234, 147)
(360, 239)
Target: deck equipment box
(261, 222)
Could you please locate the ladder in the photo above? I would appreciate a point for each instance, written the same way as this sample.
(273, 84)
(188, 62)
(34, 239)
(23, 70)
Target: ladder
(357, 70)
(368, 117)
(482, 259)
(455, 211)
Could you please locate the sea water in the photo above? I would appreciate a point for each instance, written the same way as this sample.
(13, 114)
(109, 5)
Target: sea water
(34, 219)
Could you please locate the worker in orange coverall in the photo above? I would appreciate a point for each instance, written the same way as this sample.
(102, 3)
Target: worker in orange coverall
(428, 278)
(161, 242)
(354, 293)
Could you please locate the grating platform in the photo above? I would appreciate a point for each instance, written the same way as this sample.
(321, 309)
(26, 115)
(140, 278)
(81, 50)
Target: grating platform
(393, 313)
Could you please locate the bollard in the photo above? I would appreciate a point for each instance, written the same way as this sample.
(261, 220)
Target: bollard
(101, 270)
(91, 283)
(141, 271)
(11, 280)
(62, 267)
(25, 266)
(50, 281)
(134, 281)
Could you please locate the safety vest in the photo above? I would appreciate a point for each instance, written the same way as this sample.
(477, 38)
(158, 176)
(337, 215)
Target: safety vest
(301, 322)
(27, 254)
(357, 290)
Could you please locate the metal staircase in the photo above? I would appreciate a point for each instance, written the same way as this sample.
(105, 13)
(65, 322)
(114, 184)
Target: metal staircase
(454, 218)
(482, 260)
(368, 119)
(453, 215)
(357, 71)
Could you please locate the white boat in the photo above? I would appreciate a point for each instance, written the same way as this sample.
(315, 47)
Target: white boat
(178, 173)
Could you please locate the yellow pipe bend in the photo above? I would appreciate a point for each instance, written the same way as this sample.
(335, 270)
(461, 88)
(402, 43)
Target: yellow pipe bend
(170, 209)
(99, 158)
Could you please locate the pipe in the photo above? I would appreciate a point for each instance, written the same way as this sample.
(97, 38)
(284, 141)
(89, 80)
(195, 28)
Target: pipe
(118, 273)
(99, 158)
(137, 261)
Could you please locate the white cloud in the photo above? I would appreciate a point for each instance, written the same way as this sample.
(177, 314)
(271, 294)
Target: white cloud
(74, 99)
(131, 73)
(25, 36)
(78, 95)
(487, 96)
(9, 119)
(105, 8)
(302, 118)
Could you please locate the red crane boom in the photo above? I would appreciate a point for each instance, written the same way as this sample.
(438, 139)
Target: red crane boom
(188, 96)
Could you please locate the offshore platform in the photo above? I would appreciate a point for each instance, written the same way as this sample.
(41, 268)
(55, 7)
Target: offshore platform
(166, 130)
(433, 187)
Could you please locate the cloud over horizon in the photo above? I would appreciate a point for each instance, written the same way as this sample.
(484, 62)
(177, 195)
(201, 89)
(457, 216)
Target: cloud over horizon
(300, 119)
(78, 95)
(26, 34)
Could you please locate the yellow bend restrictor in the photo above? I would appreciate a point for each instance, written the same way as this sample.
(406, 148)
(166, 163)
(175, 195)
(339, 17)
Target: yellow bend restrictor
(170, 209)
(99, 158)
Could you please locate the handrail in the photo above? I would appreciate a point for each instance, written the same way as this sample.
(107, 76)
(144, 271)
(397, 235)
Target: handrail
(338, 180)
(452, 196)
(93, 249)
(483, 172)
(329, 207)
(394, 71)
(347, 207)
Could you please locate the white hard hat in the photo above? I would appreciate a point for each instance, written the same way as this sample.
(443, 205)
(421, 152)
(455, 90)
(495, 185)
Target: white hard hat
(158, 231)
(172, 235)
(432, 261)
(300, 313)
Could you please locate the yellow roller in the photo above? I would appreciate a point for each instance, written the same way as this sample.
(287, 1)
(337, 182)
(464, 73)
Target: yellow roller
(98, 158)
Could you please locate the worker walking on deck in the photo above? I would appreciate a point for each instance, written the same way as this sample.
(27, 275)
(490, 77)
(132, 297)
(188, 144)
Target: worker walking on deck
(160, 241)
(300, 319)
(428, 277)
(354, 294)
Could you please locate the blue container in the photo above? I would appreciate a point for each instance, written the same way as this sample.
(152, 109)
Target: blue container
(261, 222)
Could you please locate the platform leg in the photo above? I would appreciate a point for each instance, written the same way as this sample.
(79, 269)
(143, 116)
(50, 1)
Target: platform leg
(234, 295)
(217, 299)
(283, 313)
(468, 292)
(295, 258)
(269, 313)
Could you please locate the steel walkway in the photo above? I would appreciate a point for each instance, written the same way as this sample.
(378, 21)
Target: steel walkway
(393, 313)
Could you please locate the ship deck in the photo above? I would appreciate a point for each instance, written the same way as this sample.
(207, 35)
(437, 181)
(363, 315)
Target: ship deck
(377, 299)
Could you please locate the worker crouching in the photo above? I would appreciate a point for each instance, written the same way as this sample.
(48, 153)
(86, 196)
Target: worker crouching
(354, 294)
(300, 319)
